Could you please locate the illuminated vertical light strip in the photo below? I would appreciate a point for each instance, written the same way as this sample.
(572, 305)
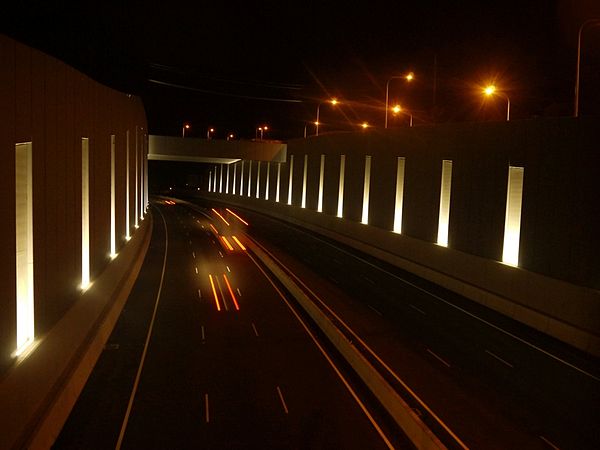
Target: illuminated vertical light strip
(209, 181)
(512, 224)
(304, 181)
(135, 207)
(446, 186)
(113, 231)
(249, 177)
(146, 200)
(366, 191)
(227, 181)
(234, 177)
(267, 181)
(289, 202)
(258, 180)
(212, 285)
(399, 195)
(340, 206)
(242, 179)
(215, 180)
(321, 179)
(141, 199)
(278, 182)
(85, 213)
(24, 246)
(127, 214)
(221, 180)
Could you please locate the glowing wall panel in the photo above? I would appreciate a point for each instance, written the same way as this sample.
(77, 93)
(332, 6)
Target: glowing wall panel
(289, 202)
(24, 246)
(304, 175)
(258, 180)
(278, 182)
(366, 191)
(512, 224)
(234, 177)
(399, 195)
(267, 180)
(127, 213)
(113, 231)
(340, 205)
(249, 177)
(227, 180)
(321, 180)
(221, 180)
(210, 181)
(242, 179)
(137, 151)
(446, 186)
(85, 213)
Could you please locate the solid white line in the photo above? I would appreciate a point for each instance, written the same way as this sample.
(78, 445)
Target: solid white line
(255, 330)
(282, 400)
(375, 309)
(148, 336)
(238, 290)
(369, 280)
(326, 356)
(199, 293)
(194, 254)
(500, 359)
(190, 242)
(202, 332)
(438, 358)
(206, 408)
(196, 270)
(549, 443)
(220, 254)
(523, 341)
(333, 280)
(420, 310)
(228, 269)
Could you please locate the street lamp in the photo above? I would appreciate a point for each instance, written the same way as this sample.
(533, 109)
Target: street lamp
(230, 137)
(210, 130)
(593, 23)
(397, 109)
(262, 130)
(334, 102)
(364, 125)
(490, 90)
(186, 126)
(408, 77)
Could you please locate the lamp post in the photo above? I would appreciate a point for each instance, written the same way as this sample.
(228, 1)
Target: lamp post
(491, 90)
(262, 130)
(408, 77)
(397, 109)
(593, 23)
(210, 130)
(334, 102)
(230, 137)
(186, 126)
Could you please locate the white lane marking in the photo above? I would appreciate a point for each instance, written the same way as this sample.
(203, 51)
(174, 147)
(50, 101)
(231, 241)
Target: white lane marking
(220, 254)
(207, 416)
(190, 242)
(255, 330)
(369, 280)
(438, 358)
(196, 270)
(282, 400)
(238, 291)
(549, 443)
(199, 293)
(417, 309)
(194, 254)
(375, 309)
(148, 336)
(326, 356)
(499, 359)
(202, 327)
(333, 280)
(337, 261)
(523, 341)
(213, 241)
(228, 269)
(222, 295)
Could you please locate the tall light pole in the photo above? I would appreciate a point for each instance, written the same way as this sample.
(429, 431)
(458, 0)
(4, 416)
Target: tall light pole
(408, 77)
(186, 126)
(587, 23)
(491, 90)
(397, 109)
(210, 130)
(334, 102)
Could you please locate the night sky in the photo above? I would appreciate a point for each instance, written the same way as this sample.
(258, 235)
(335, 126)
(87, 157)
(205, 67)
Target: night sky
(234, 66)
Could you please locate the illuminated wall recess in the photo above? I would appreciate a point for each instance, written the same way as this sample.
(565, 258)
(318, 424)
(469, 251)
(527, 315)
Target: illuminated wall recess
(221, 180)
(127, 213)
(234, 177)
(258, 180)
(242, 179)
(340, 205)
(227, 180)
(445, 189)
(249, 177)
(366, 191)
(210, 181)
(24, 246)
(289, 202)
(85, 213)
(113, 234)
(215, 179)
(135, 207)
(146, 200)
(304, 181)
(267, 180)
(278, 182)
(141, 201)
(321, 179)
(399, 196)
(512, 224)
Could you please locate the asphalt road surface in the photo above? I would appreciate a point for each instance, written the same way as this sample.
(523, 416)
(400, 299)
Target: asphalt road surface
(209, 353)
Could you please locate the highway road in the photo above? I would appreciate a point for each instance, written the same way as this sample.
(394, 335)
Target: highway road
(210, 353)
(493, 382)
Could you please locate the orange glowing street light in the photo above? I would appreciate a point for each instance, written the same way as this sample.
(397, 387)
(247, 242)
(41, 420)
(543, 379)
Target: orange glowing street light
(408, 77)
(210, 130)
(397, 109)
(364, 125)
(491, 90)
(334, 102)
(262, 129)
(186, 126)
